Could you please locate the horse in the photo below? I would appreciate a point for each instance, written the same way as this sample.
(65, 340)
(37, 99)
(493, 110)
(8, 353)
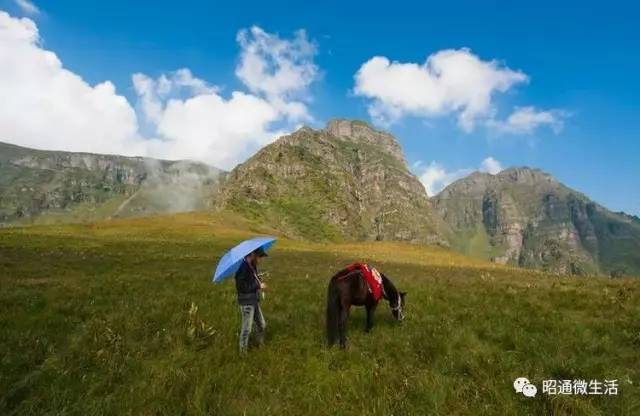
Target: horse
(348, 288)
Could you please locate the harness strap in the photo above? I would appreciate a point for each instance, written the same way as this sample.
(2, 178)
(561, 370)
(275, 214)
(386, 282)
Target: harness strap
(398, 306)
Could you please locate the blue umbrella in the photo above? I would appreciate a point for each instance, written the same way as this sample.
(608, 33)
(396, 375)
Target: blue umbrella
(231, 261)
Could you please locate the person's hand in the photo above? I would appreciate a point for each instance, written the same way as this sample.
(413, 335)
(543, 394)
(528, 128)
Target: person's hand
(263, 285)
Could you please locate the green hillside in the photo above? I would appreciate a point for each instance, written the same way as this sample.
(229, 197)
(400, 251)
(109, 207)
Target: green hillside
(120, 317)
(40, 186)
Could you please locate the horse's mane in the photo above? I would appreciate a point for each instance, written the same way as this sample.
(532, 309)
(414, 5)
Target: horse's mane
(389, 288)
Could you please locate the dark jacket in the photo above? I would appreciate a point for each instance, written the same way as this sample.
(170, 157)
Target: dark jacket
(247, 285)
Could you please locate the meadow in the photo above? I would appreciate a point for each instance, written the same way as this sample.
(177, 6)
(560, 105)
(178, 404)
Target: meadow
(121, 317)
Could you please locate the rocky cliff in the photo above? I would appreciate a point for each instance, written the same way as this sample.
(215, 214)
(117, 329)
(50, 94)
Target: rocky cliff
(525, 217)
(346, 181)
(49, 186)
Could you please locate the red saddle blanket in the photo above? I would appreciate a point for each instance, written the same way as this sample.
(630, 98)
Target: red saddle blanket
(371, 276)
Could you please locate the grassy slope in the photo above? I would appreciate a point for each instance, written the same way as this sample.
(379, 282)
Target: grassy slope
(95, 320)
(475, 243)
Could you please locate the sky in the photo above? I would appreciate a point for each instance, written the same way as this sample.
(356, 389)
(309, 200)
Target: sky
(464, 86)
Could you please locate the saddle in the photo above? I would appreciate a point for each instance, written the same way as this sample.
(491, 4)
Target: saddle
(371, 276)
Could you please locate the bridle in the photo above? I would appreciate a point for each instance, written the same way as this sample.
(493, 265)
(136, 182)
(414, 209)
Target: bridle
(398, 307)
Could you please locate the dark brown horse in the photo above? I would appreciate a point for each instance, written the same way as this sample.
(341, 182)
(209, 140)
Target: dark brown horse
(348, 288)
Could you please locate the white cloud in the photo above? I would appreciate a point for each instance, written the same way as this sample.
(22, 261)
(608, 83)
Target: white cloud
(278, 69)
(211, 128)
(524, 120)
(449, 82)
(152, 92)
(490, 165)
(223, 131)
(435, 177)
(27, 6)
(47, 106)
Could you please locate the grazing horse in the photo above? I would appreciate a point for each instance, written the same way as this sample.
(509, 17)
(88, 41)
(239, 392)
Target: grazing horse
(349, 287)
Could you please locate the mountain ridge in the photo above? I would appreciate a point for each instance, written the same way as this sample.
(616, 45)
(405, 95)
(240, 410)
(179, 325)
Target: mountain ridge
(526, 217)
(346, 181)
(59, 186)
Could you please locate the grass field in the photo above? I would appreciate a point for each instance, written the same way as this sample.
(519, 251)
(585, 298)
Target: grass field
(120, 317)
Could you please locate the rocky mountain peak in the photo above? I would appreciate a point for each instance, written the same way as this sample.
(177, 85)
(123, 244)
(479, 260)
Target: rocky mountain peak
(526, 175)
(347, 180)
(478, 182)
(360, 131)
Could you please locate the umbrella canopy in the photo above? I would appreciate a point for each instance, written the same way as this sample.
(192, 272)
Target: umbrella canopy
(231, 261)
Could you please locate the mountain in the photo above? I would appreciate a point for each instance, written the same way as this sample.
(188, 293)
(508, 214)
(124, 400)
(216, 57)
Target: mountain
(346, 181)
(50, 186)
(525, 217)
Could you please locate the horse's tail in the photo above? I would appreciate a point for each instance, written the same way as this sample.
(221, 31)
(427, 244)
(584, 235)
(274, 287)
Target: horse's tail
(333, 313)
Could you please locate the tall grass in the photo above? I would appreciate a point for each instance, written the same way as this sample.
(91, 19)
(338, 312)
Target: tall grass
(120, 317)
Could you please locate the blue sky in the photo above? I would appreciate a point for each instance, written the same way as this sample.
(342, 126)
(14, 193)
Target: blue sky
(568, 69)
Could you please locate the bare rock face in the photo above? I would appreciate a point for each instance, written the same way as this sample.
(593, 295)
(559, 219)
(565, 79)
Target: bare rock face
(358, 131)
(347, 181)
(524, 217)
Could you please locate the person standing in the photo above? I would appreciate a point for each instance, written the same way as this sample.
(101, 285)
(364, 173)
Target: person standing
(249, 287)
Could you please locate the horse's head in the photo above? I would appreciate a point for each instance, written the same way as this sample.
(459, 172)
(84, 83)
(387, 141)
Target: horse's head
(395, 298)
(397, 305)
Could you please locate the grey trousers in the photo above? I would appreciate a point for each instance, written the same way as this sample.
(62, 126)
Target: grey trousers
(251, 314)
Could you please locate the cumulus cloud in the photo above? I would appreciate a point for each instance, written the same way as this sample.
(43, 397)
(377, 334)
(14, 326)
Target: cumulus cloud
(224, 131)
(524, 120)
(27, 6)
(45, 105)
(278, 69)
(490, 165)
(153, 93)
(176, 116)
(435, 177)
(191, 119)
(449, 82)
(204, 126)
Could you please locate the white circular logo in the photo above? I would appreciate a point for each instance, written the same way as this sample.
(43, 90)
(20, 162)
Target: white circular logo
(520, 383)
(529, 390)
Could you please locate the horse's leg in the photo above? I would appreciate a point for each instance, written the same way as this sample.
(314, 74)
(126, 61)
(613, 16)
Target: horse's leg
(344, 316)
(333, 314)
(371, 309)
